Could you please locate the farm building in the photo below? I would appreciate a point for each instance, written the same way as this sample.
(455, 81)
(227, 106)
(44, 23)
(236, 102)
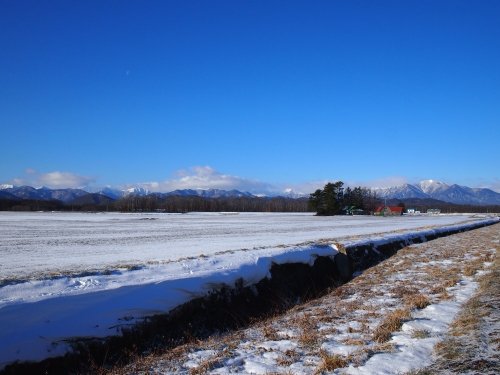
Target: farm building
(389, 211)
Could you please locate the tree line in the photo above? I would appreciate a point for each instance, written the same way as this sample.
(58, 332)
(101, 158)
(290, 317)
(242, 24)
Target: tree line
(171, 204)
(180, 204)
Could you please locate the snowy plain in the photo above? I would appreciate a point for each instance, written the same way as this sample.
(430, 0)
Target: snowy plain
(45, 244)
(179, 257)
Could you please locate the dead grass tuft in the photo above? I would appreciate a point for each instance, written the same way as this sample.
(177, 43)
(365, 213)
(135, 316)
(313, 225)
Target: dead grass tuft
(468, 318)
(448, 349)
(391, 323)
(385, 347)
(208, 364)
(471, 269)
(352, 341)
(451, 281)
(417, 301)
(421, 334)
(270, 333)
(402, 291)
(309, 333)
(284, 361)
(330, 362)
(288, 358)
(308, 338)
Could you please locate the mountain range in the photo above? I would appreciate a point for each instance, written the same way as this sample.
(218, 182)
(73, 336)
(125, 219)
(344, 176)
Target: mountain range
(427, 189)
(77, 196)
(438, 190)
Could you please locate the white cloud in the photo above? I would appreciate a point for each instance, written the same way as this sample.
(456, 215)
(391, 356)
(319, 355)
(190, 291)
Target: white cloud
(491, 184)
(17, 182)
(63, 180)
(205, 177)
(53, 180)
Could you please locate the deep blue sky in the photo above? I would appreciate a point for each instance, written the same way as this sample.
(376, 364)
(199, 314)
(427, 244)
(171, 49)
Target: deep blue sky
(285, 92)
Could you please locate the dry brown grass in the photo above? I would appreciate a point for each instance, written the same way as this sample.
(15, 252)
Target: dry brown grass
(402, 291)
(308, 338)
(421, 334)
(288, 358)
(470, 270)
(270, 333)
(417, 301)
(209, 363)
(349, 307)
(330, 362)
(284, 361)
(353, 341)
(308, 330)
(391, 323)
(448, 349)
(452, 280)
(385, 347)
(466, 348)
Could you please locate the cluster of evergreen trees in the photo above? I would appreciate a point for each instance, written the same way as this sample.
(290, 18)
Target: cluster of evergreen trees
(333, 199)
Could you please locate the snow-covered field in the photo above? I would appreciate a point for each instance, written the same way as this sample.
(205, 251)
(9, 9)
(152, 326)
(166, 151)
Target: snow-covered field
(50, 243)
(181, 257)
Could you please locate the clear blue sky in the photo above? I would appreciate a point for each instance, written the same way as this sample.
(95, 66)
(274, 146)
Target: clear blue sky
(284, 92)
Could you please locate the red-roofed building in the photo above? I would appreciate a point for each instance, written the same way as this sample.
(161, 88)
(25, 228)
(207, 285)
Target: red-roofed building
(389, 211)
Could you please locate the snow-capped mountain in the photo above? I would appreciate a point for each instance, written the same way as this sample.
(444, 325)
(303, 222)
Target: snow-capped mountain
(441, 191)
(401, 192)
(110, 192)
(290, 193)
(210, 193)
(69, 195)
(118, 193)
(432, 186)
(44, 193)
(138, 191)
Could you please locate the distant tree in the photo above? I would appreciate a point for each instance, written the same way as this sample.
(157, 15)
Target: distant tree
(329, 200)
(315, 200)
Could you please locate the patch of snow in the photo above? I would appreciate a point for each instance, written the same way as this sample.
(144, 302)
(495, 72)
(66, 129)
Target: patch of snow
(332, 347)
(414, 353)
(197, 357)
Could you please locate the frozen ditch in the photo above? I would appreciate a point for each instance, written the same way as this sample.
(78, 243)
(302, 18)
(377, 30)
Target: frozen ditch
(41, 319)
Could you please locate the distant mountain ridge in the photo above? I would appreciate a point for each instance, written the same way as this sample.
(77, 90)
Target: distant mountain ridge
(107, 194)
(427, 189)
(438, 190)
(43, 193)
